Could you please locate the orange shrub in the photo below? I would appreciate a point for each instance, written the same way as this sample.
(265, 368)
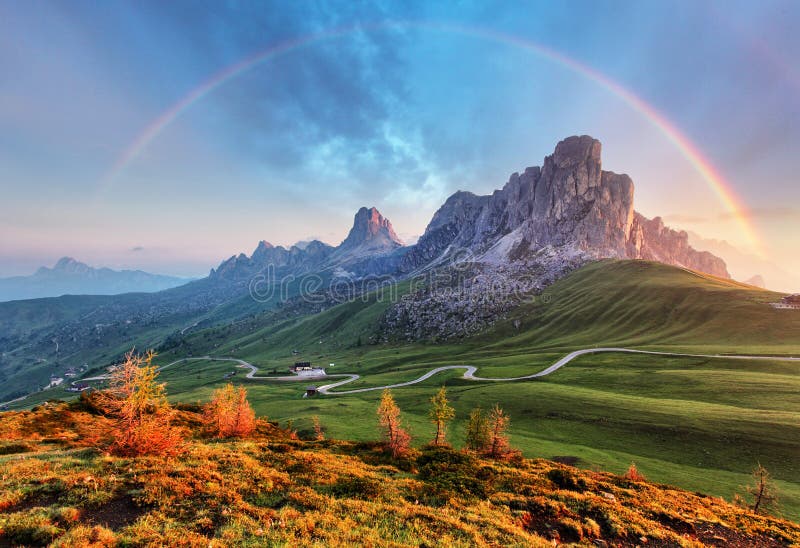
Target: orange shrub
(229, 414)
(633, 473)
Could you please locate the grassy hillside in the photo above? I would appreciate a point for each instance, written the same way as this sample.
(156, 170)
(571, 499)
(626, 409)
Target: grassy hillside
(700, 423)
(276, 490)
(638, 303)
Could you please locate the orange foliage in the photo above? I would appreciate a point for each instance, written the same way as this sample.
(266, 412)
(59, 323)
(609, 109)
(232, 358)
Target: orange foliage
(229, 413)
(396, 438)
(137, 404)
(499, 445)
(275, 491)
(633, 474)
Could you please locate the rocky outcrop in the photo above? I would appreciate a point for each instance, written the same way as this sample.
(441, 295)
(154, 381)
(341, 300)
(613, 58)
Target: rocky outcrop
(566, 212)
(371, 233)
(569, 204)
(369, 249)
(294, 260)
(651, 240)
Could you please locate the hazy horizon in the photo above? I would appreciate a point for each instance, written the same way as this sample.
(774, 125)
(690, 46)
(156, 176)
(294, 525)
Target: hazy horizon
(167, 138)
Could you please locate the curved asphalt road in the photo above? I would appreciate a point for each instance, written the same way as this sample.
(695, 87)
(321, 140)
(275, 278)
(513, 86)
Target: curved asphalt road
(469, 370)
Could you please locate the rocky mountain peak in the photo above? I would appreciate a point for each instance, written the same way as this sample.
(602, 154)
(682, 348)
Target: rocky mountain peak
(371, 232)
(264, 244)
(68, 265)
(575, 150)
(568, 207)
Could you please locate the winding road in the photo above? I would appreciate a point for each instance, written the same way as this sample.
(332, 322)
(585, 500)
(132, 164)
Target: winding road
(469, 370)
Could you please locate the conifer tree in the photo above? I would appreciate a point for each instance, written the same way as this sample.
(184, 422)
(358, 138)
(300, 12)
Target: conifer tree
(395, 437)
(499, 445)
(319, 433)
(479, 433)
(138, 406)
(763, 491)
(229, 414)
(440, 414)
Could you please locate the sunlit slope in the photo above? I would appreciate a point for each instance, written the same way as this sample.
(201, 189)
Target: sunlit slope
(607, 303)
(639, 303)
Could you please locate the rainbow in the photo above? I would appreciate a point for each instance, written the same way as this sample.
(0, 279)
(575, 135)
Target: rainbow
(682, 143)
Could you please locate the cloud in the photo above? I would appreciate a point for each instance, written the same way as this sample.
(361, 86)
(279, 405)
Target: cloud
(137, 249)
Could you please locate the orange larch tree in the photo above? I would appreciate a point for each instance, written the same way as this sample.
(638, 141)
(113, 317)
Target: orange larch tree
(499, 445)
(396, 438)
(138, 407)
(229, 414)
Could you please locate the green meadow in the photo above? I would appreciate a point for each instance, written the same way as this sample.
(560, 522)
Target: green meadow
(698, 423)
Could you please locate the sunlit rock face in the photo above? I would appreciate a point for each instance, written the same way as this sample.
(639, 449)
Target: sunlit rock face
(549, 219)
(653, 241)
(569, 207)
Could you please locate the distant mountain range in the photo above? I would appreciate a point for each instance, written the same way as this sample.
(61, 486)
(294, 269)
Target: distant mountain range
(488, 252)
(71, 277)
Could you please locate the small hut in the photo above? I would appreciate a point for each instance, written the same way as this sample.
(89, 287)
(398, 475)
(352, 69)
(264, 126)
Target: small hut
(301, 366)
(311, 391)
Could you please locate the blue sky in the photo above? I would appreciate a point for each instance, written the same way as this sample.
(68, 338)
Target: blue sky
(396, 116)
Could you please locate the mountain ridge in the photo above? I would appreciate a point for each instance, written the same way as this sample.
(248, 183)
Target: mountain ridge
(569, 209)
(569, 203)
(70, 276)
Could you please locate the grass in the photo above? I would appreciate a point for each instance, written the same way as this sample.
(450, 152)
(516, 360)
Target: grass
(698, 423)
(277, 490)
(701, 424)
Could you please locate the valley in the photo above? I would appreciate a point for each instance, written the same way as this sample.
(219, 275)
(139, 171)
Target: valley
(700, 421)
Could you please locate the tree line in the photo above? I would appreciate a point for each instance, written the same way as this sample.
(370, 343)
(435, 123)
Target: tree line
(486, 433)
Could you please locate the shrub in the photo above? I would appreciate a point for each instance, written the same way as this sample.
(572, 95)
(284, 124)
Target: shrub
(229, 414)
(356, 487)
(32, 529)
(633, 474)
(451, 472)
(565, 479)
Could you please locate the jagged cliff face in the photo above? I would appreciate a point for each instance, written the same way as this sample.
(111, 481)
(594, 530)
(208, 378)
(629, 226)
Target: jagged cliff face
(569, 206)
(651, 240)
(566, 212)
(369, 249)
(371, 232)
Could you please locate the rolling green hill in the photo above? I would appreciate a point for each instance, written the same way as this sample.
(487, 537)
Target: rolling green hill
(700, 423)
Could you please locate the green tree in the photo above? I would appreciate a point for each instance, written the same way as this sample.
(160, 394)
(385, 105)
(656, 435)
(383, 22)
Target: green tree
(479, 433)
(440, 414)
